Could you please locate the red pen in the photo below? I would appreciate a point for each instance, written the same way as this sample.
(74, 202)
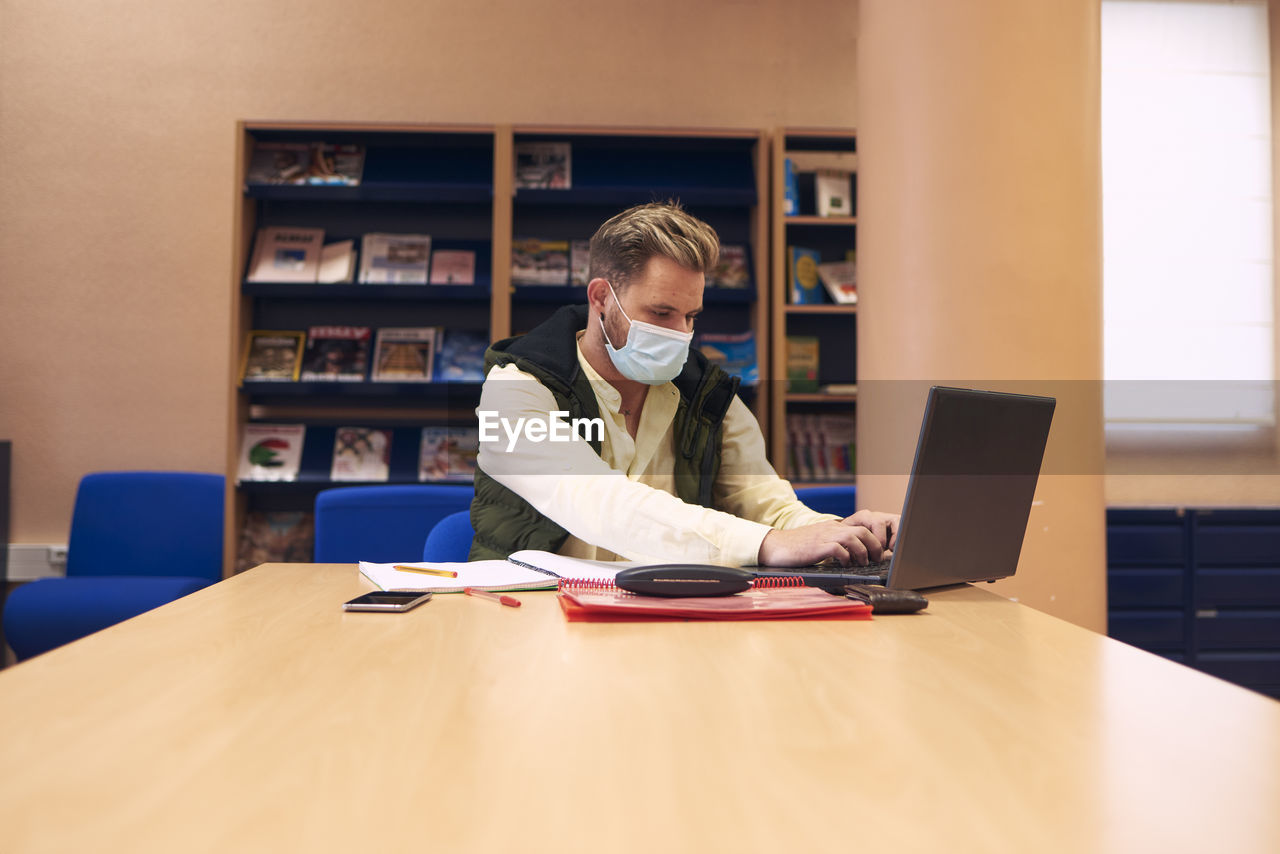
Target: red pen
(510, 601)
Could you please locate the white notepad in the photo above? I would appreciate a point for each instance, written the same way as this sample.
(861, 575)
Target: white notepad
(523, 570)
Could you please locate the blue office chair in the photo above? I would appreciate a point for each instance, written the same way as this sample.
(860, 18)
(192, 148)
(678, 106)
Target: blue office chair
(450, 540)
(382, 523)
(138, 541)
(841, 499)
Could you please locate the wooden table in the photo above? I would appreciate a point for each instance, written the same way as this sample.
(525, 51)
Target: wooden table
(258, 716)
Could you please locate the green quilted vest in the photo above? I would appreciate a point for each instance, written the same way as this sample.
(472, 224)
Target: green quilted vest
(504, 522)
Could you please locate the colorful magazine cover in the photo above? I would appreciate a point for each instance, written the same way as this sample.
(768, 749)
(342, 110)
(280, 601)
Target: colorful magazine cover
(271, 356)
(271, 452)
(539, 262)
(448, 454)
(361, 453)
(733, 352)
(336, 354)
(461, 356)
(405, 354)
(275, 536)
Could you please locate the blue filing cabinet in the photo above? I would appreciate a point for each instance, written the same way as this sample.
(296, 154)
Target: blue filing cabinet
(1200, 586)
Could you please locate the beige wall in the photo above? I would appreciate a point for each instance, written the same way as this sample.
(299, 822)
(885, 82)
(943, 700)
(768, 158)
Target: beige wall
(116, 147)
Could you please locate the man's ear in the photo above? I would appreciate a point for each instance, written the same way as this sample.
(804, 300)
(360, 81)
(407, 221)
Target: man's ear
(598, 296)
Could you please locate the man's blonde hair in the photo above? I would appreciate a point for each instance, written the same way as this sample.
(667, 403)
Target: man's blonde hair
(623, 246)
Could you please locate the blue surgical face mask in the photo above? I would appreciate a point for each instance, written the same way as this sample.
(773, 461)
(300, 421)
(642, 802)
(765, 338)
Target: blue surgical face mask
(652, 355)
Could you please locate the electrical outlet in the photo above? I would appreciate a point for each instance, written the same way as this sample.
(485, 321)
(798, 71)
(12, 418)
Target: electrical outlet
(58, 556)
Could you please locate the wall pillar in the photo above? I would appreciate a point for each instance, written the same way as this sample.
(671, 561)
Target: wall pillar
(979, 253)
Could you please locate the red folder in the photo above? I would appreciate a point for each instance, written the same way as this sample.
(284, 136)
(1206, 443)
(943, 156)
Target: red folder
(609, 604)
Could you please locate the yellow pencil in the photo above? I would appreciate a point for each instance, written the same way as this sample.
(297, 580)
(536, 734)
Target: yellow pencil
(444, 573)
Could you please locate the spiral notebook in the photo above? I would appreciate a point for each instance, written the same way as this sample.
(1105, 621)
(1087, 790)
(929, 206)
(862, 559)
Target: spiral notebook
(525, 570)
(600, 600)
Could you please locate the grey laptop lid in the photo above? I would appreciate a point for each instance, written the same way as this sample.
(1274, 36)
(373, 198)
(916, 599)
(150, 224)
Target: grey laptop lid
(972, 483)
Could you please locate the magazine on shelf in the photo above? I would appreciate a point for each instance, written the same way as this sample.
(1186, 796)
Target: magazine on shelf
(302, 163)
(734, 352)
(453, 267)
(337, 263)
(822, 447)
(361, 453)
(272, 356)
(460, 356)
(286, 254)
(271, 452)
(539, 262)
(543, 165)
(841, 281)
(731, 269)
(405, 354)
(275, 536)
(802, 363)
(448, 454)
(802, 276)
(336, 353)
(580, 262)
(394, 259)
(834, 189)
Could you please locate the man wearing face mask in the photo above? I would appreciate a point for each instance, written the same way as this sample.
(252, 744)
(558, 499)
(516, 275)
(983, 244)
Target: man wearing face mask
(679, 473)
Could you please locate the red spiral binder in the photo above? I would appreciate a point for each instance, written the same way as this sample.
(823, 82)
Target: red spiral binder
(778, 581)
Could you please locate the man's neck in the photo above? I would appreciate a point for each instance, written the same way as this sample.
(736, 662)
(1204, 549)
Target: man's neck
(593, 348)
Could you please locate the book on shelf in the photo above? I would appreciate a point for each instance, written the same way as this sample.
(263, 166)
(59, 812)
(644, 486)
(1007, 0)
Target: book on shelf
(271, 452)
(734, 352)
(337, 263)
(361, 453)
(834, 190)
(731, 269)
(453, 267)
(405, 354)
(822, 448)
(394, 259)
(543, 165)
(460, 356)
(580, 262)
(802, 363)
(802, 276)
(275, 536)
(539, 262)
(286, 254)
(790, 189)
(840, 278)
(448, 454)
(272, 356)
(839, 388)
(303, 163)
(336, 354)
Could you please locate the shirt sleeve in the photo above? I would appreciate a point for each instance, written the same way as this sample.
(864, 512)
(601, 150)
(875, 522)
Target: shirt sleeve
(748, 486)
(569, 483)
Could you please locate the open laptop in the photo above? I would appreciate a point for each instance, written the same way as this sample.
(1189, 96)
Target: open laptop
(972, 482)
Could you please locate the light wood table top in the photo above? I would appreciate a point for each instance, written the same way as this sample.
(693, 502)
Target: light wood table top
(257, 716)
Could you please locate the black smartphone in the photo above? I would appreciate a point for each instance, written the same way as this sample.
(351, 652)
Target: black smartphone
(387, 600)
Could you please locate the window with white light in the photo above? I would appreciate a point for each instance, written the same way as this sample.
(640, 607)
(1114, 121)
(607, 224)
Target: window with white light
(1188, 288)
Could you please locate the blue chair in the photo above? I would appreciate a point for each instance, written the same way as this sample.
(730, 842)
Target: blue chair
(842, 500)
(450, 540)
(382, 523)
(138, 541)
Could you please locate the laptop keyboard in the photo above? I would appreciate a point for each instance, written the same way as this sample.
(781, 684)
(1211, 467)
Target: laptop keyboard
(877, 570)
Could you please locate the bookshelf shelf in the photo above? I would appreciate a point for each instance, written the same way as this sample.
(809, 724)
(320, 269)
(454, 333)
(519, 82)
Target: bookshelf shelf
(806, 425)
(457, 184)
(822, 309)
(828, 221)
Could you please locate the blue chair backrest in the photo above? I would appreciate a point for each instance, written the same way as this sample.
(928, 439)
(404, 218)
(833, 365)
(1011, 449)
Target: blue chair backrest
(841, 500)
(450, 540)
(382, 523)
(148, 523)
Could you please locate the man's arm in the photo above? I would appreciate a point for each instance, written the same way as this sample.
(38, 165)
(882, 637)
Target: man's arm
(570, 484)
(749, 487)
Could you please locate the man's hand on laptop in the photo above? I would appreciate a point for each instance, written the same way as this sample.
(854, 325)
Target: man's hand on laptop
(865, 537)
